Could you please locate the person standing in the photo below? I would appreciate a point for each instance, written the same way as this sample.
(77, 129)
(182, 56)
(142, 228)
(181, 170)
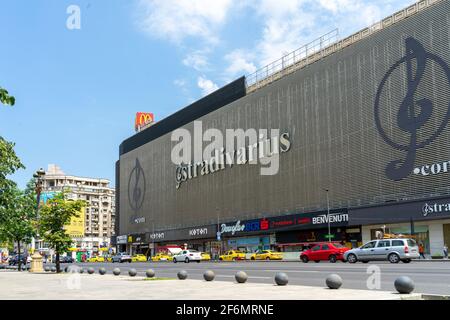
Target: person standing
(445, 249)
(421, 251)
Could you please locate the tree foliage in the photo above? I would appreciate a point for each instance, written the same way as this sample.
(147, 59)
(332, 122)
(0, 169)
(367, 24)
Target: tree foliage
(17, 216)
(53, 216)
(5, 98)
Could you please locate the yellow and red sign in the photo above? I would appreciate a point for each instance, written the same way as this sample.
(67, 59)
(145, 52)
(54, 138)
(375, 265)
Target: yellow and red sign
(142, 119)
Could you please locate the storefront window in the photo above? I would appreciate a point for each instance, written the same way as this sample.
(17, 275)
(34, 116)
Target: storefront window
(421, 234)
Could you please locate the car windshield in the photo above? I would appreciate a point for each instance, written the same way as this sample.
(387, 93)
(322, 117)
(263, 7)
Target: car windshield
(412, 243)
(193, 251)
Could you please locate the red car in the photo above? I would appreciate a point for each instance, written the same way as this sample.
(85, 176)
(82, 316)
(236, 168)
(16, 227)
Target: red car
(324, 251)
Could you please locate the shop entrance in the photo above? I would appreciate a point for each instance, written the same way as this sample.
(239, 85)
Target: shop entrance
(447, 234)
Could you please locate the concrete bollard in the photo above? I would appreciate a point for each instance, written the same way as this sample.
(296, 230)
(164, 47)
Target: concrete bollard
(132, 272)
(91, 270)
(241, 277)
(209, 275)
(116, 271)
(182, 275)
(102, 271)
(281, 279)
(53, 269)
(150, 273)
(334, 281)
(81, 270)
(47, 269)
(404, 284)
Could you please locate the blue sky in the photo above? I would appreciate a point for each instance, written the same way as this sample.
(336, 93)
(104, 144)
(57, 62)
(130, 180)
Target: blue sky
(77, 91)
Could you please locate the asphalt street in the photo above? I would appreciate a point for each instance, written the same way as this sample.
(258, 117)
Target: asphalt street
(429, 277)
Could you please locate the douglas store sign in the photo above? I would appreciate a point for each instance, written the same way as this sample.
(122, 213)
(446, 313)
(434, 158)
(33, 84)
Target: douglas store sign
(296, 221)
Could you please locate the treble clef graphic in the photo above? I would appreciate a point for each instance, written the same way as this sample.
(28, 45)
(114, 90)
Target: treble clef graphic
(413, 112)
(136, 189)
(136, 186)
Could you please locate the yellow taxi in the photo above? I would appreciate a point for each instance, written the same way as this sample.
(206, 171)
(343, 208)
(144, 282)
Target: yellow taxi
(96, 259)
(206, 256)
(161, 256)
(266, 255)
(232, 255)
(138, 258)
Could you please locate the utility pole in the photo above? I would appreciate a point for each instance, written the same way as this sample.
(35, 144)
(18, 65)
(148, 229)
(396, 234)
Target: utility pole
(328, 216)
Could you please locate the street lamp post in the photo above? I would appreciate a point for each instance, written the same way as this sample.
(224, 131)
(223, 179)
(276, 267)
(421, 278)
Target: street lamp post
(328, 216)
(37, 264)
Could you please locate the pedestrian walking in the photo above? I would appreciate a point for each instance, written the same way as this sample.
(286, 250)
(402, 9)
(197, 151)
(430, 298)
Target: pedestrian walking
(445, 249)
(421, 251)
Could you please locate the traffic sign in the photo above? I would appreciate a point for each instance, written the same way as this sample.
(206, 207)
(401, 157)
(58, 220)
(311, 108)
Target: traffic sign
(329, 236)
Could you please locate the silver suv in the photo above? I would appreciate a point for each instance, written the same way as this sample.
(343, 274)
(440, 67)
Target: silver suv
(393, 250)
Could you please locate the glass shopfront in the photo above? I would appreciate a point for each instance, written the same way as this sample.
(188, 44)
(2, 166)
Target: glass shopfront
(249, 244)
(421, 234)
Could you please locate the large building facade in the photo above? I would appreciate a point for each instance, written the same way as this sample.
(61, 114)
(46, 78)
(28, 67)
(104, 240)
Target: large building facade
(93, 229)
(366, 124)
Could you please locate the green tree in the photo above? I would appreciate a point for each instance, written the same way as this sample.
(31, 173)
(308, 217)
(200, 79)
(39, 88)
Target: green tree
(53, 216)
(17, 217)
(5, 98)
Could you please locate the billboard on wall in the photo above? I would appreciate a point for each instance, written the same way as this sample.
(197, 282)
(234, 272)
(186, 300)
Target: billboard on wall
(75, 229)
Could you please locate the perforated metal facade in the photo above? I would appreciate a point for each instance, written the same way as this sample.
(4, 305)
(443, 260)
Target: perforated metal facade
(330, 108)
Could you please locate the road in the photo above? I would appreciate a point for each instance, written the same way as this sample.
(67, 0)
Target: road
(429, 277)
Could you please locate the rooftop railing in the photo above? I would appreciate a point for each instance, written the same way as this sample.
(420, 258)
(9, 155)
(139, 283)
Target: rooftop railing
(324, 46)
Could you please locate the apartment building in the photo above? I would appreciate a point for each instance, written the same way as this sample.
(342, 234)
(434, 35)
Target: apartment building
(99, 214)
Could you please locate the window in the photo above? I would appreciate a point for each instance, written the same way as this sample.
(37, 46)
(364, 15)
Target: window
(411, 243)
(369, 245)
(325, 247)
(316, 248)
(397, 243)
(384, 244)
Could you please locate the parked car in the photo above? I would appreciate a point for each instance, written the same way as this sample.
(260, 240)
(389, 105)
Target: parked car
(96, 259)
(138, 258)
(162, 256)
(393, 250)
(232, 255)
(187, 256)
(266, 255)
(14, 260)
(324, 251)
(206, 256)
(121, 257)
(66, 259)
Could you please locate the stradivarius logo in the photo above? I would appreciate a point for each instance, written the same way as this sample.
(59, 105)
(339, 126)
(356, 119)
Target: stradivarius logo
(428, 209)
(414, 111)
(136, 187)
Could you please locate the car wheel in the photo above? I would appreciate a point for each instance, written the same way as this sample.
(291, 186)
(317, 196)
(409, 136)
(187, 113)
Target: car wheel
(220, 259)
(316, 261)
(198, 261)
(352, 258)
(234, 258)
(332, 258)
(406, 260)
(268, 258)
(304, 259)
(365, 261)
(252, 258)
(186, 260)
(393, 258)
(174, 260)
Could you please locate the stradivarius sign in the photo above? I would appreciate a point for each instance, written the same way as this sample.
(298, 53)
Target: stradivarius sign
(434, 208)
(414, 111)
(253, 147)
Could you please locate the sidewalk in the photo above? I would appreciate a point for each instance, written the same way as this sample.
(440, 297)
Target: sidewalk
(64, 286)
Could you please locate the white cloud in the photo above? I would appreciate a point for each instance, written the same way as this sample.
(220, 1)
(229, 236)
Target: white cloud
(239, 61)
(206, 85)
(197, 60)
(177, 19)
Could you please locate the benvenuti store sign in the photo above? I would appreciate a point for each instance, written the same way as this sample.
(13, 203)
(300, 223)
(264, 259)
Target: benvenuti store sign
(295, 221)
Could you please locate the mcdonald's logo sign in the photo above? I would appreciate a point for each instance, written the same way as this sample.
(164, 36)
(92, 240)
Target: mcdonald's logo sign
(142, 118)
